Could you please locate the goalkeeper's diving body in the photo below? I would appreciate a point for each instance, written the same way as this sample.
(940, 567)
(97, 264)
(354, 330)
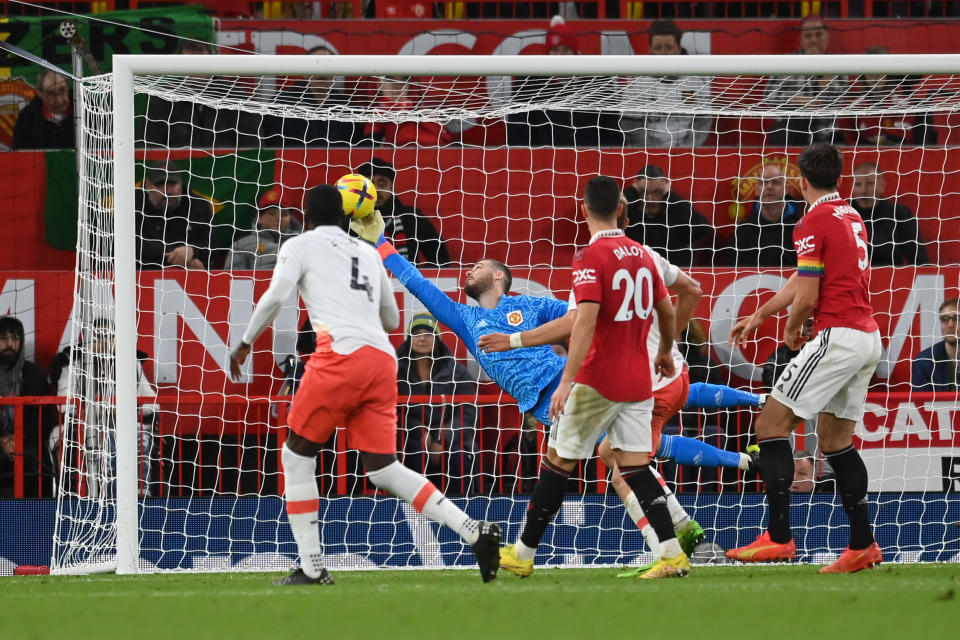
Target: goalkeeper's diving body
(532, 374)
(350, 380)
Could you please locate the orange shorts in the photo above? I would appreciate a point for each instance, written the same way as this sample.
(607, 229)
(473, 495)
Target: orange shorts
(357, 391)
(666, 403)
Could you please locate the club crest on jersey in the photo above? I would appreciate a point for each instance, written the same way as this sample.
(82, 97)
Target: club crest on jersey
(515, 318)
(583, 276)
(804, 244)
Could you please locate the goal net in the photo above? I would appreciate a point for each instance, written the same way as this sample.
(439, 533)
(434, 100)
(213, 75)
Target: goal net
(189, 183)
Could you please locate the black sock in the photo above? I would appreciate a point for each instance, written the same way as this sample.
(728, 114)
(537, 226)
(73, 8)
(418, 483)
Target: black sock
(652, 499)
(776, 469)
(851, 475)
(544, 504)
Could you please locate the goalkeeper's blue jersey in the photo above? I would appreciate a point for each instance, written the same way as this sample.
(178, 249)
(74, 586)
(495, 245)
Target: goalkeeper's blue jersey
(523, 373)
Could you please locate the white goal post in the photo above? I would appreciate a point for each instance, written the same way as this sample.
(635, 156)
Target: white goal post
(122, 151)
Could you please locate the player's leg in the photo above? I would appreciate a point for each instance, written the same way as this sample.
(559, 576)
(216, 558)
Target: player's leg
(312, 419)
(372, 429)
(630, 437)
(690, 451)
(572, 438)
(835, 426)
(773, 427)
(719, 396)
(299, 460)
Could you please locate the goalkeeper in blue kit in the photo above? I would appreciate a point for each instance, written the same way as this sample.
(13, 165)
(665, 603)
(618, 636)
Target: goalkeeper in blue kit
(531, 374)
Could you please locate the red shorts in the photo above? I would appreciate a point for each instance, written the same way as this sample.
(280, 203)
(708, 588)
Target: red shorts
(357, 391)
(666, 403)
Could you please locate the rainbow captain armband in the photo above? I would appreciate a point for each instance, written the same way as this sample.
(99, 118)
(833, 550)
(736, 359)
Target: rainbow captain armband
(810, 267)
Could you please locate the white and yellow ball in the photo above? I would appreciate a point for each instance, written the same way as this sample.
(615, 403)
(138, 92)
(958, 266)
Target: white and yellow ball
(358, 194)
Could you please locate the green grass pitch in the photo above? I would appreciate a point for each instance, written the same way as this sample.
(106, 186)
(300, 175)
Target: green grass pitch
(906, 602)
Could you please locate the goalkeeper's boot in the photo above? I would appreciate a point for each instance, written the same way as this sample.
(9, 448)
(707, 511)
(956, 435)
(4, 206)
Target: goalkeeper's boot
(675, 567)
(763, 549)
(853, 560)
(298, 577)
(510, 562)
(487, 550)
(690, 536)
(754, 452)
(633, 572)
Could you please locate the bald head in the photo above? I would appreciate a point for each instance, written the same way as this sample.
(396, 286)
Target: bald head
(868, 184)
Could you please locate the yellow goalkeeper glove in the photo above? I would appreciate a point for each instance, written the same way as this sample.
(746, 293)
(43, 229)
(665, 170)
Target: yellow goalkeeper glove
(370, 228)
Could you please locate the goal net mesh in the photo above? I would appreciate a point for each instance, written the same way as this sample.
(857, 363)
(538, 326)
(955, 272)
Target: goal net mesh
(492, 167)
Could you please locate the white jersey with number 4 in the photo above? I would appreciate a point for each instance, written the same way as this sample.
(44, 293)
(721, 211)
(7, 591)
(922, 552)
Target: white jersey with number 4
(344, 286)
(669, 272)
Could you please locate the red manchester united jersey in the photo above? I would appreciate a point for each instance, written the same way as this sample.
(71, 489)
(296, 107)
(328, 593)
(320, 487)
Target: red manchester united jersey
(831, 244)
(622, 277)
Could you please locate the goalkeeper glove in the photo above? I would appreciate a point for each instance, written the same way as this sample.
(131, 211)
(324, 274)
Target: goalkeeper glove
(370, 228)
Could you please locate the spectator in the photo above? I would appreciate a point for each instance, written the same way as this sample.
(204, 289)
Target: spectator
(777, 362)
(198, 123)
(433, 432)
(552, 127)
(276, 223)
(47, 122)
(174, 227)
(20, 377)
(317, 93)
(801, 92)
(664, 221)
(765, 237)
(397, 94)
(935, 368)
(876, 92)
(414, 236)
(894, 235)
(803, 480)
(662, 129)
(99, 446)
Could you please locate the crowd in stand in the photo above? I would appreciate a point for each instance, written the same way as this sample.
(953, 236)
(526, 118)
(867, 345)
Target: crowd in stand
(47, 123)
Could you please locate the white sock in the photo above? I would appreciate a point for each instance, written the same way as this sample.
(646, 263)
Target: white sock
(744, 462)
(677, 514)
(303, 501)
(412, 487)
(670, 548)
(635, 511)
(524, 552)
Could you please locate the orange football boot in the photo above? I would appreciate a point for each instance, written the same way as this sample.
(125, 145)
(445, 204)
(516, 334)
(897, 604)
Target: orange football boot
(763, 549)
(853, 560)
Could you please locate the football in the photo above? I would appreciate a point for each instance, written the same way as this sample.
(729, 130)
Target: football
(359, 195)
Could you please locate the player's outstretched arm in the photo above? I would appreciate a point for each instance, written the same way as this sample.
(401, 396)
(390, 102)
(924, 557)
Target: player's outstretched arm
(743, 329)
(436, 301)
(552, 332)
(581, 336)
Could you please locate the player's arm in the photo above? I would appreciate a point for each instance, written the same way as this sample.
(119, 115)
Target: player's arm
(688, 297)
(389, 313)
(370, 228)
(804, 302)
(581, 337)
(557, 330)
(667, 321)
(780, 301)
(282, 284)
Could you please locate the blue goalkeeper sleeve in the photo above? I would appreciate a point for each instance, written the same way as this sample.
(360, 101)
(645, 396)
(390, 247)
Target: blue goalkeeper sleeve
(696, 453)
(718, 396)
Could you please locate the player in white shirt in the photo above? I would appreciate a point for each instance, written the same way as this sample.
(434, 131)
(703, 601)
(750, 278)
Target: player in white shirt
(350, 381)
